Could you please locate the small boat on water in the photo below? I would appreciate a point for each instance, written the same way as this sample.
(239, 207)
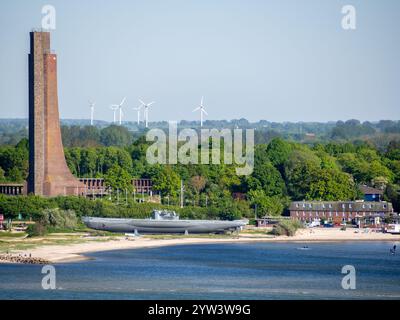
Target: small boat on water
(163, 221)
(304, 248)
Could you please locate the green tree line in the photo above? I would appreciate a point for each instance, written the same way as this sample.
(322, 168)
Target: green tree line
(284, 171)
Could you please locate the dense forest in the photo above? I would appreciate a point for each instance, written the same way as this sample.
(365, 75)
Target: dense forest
(285, 169)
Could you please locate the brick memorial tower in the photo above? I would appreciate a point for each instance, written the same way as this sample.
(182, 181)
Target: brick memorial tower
(49, 174)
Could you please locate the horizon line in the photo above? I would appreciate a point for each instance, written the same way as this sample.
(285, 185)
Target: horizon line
(216, 120)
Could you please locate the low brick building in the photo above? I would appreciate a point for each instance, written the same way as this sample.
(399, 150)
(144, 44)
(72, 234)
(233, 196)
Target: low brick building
(14, 189)
(139, 185)
(338, 211)
(91, 186)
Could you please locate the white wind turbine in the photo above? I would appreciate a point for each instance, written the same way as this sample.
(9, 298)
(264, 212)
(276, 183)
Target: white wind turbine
(91, 104)
(115, 112)
(115, 107)
(146, 111)
(202, 111)
(138, 113)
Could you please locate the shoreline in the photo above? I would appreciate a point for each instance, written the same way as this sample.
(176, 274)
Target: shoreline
(75, 252)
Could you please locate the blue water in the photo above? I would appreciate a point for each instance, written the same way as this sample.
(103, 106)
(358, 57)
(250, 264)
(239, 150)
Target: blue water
(218, 271)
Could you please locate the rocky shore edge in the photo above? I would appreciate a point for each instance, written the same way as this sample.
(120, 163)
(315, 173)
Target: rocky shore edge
(22, 259)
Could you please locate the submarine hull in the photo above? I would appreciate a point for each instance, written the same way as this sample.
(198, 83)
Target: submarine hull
(162, 226)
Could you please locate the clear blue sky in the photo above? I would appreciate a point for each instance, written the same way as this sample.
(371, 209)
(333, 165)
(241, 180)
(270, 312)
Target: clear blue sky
(286, 60)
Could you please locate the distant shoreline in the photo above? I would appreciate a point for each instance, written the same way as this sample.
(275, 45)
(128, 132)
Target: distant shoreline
(75, 252)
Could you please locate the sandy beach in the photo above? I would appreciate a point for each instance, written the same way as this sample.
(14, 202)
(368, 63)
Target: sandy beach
(76, 252)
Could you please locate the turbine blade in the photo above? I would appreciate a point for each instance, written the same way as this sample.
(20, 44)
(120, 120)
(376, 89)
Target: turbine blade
(205, 112)
(197, 109)
(123, 101)
(141, 101)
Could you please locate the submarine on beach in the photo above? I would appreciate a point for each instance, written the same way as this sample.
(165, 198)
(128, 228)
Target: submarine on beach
(163, 222)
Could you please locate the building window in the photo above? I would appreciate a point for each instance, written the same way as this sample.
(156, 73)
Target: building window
(343, 206)
(330, 205)
(350, 206)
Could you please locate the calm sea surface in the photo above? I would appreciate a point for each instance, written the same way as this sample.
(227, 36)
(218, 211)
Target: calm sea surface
(219, 271)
